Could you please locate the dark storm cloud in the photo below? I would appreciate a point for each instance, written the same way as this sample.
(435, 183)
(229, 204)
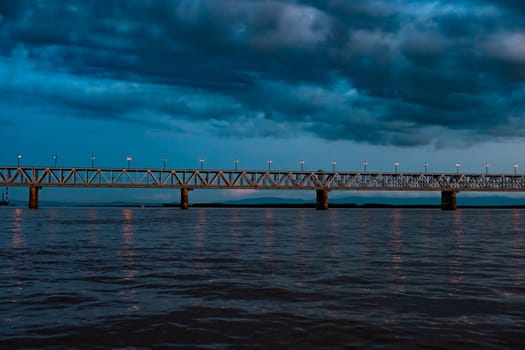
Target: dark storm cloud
(381, 72)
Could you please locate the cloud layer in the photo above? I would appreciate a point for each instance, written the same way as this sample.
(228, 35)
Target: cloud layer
(401, 72)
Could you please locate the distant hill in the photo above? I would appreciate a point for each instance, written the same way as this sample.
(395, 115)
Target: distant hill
(269, 200)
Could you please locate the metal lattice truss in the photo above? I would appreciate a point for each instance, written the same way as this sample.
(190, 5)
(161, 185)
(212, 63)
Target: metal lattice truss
(243, 179)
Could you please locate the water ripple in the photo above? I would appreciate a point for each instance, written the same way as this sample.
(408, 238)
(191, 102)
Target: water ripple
(261, 278)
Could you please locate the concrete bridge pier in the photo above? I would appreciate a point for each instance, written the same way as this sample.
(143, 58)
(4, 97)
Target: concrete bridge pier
(322, 199)
(448, 200)
(33, 196)
(184, 198)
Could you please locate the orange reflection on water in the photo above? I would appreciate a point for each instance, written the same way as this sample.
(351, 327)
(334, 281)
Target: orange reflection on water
(268, 227)
(301, 229)
(334, 233)
(396, 242)
(396, 276)
(127, 228)
(235, 232)
(365, 228)
(17, 237)
(126, 250)
(518, 250)
(200, 240)
(92, 226)
(11, 267)
(427, 233)
(456, 264)
(269, 232)
(302, 238)
(301, 222)
(234, 223)
(202, 222)
(516, 221)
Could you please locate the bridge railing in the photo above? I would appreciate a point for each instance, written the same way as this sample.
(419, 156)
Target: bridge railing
(256, 179)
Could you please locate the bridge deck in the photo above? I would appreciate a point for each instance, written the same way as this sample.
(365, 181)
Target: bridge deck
(257, 179)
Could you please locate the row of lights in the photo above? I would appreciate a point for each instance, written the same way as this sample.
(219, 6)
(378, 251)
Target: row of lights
(55, 160)
(236, 163)
(365, 164)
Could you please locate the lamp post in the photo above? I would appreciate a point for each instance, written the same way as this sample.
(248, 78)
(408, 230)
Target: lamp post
(55, 158)
(164, 159)
(487, 168)
(128, 158)
(426, 167)
(92, 161)
(269, 164)
(515, 168)
(18, 157)
(457, 167)
(365, 164)
(396, 164)
(302, 165)
(333, 165)
(202, 162)
(235, 164)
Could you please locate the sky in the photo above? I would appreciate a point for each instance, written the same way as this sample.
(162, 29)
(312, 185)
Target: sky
(411, 81)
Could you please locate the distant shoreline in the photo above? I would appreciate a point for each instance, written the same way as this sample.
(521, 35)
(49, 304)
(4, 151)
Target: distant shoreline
(340, 205)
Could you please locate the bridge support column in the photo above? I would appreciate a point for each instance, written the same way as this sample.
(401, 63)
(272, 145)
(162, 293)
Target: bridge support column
(33, 197)
(322, 200)
(184, 201)
(448, 200)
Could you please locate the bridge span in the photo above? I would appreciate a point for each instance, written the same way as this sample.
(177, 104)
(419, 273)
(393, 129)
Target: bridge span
(449, 184)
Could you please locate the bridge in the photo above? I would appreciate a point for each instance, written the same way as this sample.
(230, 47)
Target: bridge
(449, 184)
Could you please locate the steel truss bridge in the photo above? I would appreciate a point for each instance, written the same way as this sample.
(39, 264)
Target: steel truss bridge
(322, 181)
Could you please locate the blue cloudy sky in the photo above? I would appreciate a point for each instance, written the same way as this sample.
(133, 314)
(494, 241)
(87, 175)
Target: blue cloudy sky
(411, 81)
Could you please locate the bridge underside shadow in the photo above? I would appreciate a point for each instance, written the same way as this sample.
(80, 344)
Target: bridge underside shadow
(448, 199)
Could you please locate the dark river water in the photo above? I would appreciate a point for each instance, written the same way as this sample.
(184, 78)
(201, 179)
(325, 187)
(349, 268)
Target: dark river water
(131, 278)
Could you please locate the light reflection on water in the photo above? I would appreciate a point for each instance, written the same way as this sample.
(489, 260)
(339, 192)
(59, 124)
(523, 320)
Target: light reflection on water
(518, 249)
(126, 252)
(456, 273)
(244, 278)
(268, 234)
(16, 230)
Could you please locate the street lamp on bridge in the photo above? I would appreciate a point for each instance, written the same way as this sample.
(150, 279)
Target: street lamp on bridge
(92, 161)
(55, 158)
(128, 158)
(365, 163)
(396, 164)
(426, 167)
(457, 167)
(487, 168)
(18, 157)
(333, 165)
(269, 164)
(202, 162)
(302, 165)
(515, 168)
(235, 164)
(164, 159)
